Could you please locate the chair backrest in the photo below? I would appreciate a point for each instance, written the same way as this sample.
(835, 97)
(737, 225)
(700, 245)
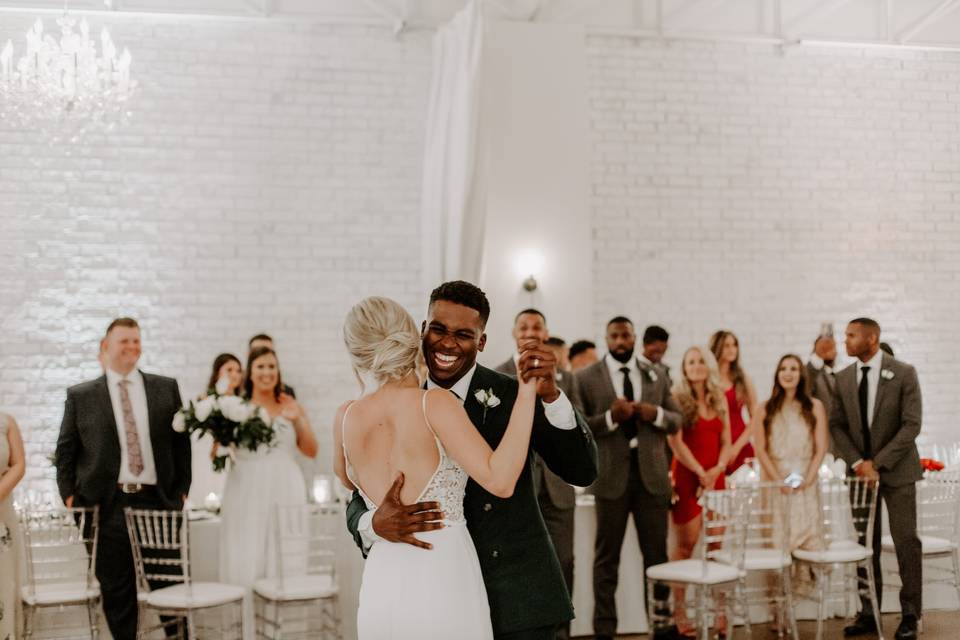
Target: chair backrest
(160, 544)
(938, 505)
(304, 539)
(769, 522)
(849, 507)
(726, 517)
(60, 545)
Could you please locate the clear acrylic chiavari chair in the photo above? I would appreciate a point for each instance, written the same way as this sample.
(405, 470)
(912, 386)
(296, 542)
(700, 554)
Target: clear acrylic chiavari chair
(716, 574)
(938, 526)
(767, 553)
(301, 600)
(61, 553)
(160, 543)
(849, 508)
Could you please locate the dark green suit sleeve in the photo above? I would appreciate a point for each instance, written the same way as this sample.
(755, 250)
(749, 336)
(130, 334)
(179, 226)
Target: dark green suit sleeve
(569, 453)
(356, 508)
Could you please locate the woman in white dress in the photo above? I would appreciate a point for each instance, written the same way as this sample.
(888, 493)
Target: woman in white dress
(262, 479)
(398, 427)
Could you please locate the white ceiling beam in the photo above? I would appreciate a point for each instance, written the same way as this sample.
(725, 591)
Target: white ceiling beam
(817, 11)
(940, 10)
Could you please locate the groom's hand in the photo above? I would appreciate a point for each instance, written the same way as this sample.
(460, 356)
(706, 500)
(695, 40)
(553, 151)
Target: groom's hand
(538, 362)
(396, 522)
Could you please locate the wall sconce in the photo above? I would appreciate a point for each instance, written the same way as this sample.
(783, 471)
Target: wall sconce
(529, 264)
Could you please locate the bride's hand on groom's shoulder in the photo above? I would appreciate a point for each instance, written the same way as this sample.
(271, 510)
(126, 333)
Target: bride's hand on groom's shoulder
(536, 361)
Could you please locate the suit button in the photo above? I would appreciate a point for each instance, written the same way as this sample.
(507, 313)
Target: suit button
(495, 554)
(487, 506)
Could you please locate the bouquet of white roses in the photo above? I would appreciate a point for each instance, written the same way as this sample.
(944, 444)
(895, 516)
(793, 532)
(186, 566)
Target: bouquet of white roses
(230, 420)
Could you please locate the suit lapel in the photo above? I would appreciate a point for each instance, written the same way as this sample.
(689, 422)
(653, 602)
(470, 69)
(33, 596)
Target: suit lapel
(470, 404)
(109, 419)
(881, 386)
(646, 385)
(607, 380)
(848, 391)
(149, 390)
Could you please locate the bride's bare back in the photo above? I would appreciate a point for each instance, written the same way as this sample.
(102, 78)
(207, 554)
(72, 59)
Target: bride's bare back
(392, 431)
(386, 433)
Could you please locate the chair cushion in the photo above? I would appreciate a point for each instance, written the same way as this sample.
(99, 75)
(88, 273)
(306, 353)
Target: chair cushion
(931, 544)
(760, 559)
(66, 593)
(297, 588)
(196, 596)
(693, 572)
(842, 551)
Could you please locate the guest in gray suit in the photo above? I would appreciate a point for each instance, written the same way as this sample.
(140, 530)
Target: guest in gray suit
(821, 376)
(875, 420)
(630, 410)
(557, 499)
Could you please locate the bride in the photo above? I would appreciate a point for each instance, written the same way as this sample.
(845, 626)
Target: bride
(397, 427)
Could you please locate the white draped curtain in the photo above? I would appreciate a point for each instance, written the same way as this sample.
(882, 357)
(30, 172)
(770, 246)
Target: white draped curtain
(452, 195)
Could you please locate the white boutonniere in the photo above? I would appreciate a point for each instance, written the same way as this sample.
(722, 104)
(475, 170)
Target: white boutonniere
(487, 400)
(652, 375)
(887, 374)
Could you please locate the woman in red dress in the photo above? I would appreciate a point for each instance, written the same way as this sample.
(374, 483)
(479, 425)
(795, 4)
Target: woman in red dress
(740, 393)
(701, 450)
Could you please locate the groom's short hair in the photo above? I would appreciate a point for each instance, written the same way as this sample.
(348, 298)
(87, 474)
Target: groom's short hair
(869, 323)
(463, 293)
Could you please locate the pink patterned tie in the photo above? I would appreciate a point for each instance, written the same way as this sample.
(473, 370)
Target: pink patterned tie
(134, 455)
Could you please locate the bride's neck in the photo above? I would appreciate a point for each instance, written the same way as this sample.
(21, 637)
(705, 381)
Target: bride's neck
(408, 381)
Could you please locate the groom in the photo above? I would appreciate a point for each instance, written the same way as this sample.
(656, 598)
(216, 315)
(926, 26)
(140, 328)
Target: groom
(525, 586)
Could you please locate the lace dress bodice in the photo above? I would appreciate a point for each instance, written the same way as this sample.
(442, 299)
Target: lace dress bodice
(446, 486)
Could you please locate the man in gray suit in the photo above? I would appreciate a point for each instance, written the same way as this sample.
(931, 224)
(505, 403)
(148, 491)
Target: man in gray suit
(628, 406)
(875, 420)
(557, 499)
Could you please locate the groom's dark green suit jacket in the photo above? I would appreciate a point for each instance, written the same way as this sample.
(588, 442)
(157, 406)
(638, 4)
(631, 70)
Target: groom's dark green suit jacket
(524, 583)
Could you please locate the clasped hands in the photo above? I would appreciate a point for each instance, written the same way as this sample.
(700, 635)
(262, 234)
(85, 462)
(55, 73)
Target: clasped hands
(867, 470)
(536, 361)
(623, 409)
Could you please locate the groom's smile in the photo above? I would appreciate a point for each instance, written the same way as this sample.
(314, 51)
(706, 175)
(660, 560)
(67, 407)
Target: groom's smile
(452, 335)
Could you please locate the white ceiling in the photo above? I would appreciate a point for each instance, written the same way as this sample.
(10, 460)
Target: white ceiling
(891, 22)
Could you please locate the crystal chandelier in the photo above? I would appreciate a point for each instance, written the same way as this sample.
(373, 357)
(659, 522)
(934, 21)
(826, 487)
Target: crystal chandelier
(66, 83)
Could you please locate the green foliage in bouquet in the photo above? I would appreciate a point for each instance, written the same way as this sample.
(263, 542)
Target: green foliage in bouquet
(230, 420)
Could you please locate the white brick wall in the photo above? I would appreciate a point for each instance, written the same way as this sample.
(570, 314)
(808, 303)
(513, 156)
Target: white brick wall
(269, 178)
(735, 186)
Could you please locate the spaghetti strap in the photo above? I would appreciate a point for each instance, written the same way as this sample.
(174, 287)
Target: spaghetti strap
(423, 406)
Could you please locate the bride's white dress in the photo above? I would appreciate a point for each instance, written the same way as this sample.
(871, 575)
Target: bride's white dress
(258, 482)
(408, 592)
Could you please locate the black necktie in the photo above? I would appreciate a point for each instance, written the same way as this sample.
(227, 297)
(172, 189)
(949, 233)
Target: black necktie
(863, 391)
(628, 427)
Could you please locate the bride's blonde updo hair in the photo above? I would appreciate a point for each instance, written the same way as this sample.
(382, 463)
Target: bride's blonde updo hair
(382, 340)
